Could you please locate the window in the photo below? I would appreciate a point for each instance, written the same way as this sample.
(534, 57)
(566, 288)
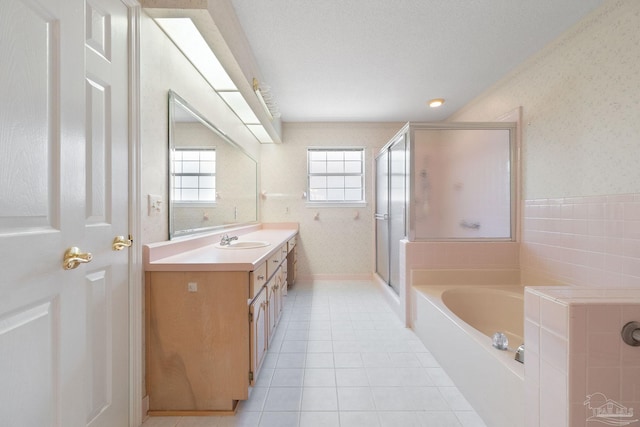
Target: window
(336, 175)
(194, 175)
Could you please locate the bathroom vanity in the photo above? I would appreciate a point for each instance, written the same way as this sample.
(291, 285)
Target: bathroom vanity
(211, 312)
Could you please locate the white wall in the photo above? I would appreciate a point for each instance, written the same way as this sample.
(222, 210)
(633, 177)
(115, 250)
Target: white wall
(336, 245)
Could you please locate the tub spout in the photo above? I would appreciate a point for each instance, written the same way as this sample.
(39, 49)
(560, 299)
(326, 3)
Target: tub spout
(520, 354)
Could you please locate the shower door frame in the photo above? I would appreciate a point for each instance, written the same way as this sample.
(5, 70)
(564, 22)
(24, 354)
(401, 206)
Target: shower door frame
(510, 122)
(396, 210)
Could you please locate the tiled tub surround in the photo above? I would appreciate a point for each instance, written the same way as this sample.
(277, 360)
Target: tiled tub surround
(455, 256)
(490, 379)
(574, 350)
(584, 241)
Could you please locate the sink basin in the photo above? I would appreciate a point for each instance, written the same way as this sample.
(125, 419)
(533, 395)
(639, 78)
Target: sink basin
(244, 244)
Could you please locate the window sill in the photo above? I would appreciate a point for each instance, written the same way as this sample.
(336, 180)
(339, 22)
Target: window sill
(336, 204)
(194, 204)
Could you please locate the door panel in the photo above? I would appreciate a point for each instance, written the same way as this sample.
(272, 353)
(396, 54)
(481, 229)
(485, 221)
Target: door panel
(382, 215)
(41, 153)
(397, 206)
(271, 309)
(63, 183)
(29, 94)
(258, 332)
(99, 343)
(390, 211)
(106, 83)
(28, 346)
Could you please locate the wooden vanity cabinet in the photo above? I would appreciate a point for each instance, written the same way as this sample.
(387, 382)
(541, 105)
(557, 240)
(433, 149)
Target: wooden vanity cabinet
(274, 303)
(197, 349)
(208, 333)
(280, 291)
(258, 318)
(292, 268)
(271, 309)
(257, 279)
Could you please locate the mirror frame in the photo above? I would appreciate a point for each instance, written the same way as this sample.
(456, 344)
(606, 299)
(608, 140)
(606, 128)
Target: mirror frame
(173, 100)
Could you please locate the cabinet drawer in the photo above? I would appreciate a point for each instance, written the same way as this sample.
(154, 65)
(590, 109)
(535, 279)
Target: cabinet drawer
(257, 279)
(291, 243)
(273, 262)
(283, 252)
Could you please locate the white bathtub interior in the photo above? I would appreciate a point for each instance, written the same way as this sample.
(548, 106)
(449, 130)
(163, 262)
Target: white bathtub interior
(490, 379)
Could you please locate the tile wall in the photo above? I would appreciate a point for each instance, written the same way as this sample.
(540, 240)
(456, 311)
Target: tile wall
(576, 364)
(449, 256)
(583, 241)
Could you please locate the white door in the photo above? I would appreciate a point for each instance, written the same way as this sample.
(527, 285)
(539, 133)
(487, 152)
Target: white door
(63, 183)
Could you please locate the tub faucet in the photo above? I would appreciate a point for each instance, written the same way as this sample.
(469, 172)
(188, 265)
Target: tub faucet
(226, 240)
(520, 354)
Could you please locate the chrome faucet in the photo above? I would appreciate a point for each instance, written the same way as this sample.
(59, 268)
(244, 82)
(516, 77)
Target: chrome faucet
(520, 354)
(226, 240)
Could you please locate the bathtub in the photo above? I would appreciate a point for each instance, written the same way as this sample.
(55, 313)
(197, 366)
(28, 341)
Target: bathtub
(456, 323)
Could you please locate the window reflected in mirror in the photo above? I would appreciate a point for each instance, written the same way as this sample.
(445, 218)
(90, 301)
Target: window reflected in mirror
(213, 182)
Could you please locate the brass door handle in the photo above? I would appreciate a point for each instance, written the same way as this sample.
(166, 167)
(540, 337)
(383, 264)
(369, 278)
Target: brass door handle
(73, 258)
(120, 242)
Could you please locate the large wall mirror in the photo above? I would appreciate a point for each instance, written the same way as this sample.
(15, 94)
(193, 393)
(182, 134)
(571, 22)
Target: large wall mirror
(212, 180)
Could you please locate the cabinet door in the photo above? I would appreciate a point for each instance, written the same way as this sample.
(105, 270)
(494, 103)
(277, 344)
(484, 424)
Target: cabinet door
(284, 286)
(280, 290)
(271, 306)
(258, 333)
(291, 266)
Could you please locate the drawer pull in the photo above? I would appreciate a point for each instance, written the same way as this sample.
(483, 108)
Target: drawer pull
(276, 261)
(260, 277)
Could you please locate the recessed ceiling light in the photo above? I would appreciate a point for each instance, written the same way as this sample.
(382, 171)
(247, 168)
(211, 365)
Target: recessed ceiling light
(434, 103)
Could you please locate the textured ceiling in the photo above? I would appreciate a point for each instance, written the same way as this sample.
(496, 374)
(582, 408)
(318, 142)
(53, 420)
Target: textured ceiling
(381, 60)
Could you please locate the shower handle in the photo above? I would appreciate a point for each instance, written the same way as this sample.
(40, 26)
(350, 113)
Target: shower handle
(631, 333)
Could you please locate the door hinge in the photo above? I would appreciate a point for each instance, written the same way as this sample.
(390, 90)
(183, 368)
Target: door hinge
(250, 376)
(250, 317)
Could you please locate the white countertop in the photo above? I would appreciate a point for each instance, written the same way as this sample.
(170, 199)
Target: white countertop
(193, 255)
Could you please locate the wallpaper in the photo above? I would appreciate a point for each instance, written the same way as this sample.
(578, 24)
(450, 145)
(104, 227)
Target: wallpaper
(334, 242)
(580, 99)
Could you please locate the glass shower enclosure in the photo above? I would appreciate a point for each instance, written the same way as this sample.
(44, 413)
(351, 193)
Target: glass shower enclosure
(390, 216)
(444, 182)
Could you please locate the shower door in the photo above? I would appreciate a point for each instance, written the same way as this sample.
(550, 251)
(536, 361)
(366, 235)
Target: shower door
(382, 215)
(391, 198)
(397, 207)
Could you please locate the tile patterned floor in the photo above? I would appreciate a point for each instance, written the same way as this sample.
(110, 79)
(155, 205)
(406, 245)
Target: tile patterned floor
(341, 358)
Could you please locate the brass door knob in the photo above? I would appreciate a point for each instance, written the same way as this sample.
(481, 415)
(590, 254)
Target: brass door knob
(121, 242)
(73, 258)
